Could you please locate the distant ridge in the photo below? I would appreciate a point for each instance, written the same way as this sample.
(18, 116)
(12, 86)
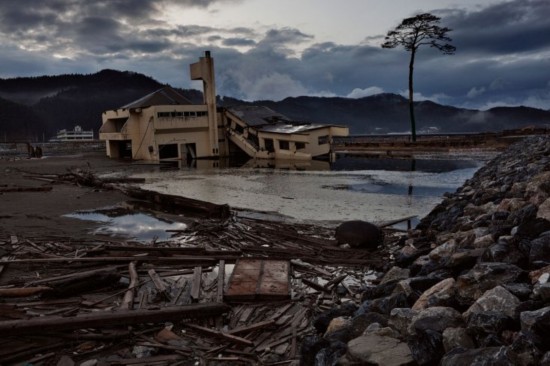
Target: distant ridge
(34, 108)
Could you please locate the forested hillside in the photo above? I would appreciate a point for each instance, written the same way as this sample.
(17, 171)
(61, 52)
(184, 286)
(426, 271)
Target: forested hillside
(35, 108)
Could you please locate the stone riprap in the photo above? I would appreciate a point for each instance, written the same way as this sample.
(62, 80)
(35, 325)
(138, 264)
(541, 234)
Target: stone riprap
(470, 285)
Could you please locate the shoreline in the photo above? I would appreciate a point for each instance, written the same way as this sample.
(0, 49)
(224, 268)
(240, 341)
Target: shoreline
(470, 282)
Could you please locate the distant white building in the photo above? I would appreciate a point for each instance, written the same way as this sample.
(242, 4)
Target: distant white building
(76, 134)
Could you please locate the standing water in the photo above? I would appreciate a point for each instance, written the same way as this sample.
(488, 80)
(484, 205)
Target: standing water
(371, 189)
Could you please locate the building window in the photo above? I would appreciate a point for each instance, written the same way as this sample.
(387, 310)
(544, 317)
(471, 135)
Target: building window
(284, 145)
(323, 140)
(268, 143)
(174, 114)
(300, 145)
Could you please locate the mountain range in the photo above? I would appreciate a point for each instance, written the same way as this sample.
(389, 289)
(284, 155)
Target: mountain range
(35, 108)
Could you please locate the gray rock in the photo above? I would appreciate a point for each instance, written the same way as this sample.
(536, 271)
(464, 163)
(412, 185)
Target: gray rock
(521, 290)
(373, 349)
(456, 337)
(395, 274)
(401, 318)
(543, 290)
(490, 356)
(483, 277)
(437, 318)
(427, 347)
(545, 361)
(385, 305)
(503, 252)
(497, 299)
(465, 258)
(443, 250)
(537, 322)
(485, 323)
(540, 250)
(437, 295)
(544, 210)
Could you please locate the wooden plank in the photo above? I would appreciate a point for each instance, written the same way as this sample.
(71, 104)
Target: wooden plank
(196, 287)
(159, 284)
(221, 278)
(111, 318)
(25, 189)
(215, 333)
(252, 327)
(275, 281)
(259, 279)
(23, 291)
(128, 300)
(175, 259)
(396, 221)
(244, 280)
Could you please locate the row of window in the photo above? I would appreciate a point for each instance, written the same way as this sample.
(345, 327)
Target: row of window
(283, 145)
(190, 114)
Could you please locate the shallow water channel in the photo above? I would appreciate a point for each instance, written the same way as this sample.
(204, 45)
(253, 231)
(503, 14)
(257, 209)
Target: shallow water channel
(353, 187)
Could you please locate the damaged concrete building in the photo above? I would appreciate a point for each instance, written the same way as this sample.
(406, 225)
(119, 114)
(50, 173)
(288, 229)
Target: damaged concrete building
(166, 125)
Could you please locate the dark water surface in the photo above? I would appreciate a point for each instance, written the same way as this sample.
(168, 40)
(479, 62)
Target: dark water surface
(353, 187)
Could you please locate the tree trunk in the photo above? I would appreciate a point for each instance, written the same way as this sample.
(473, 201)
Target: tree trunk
(411, 101)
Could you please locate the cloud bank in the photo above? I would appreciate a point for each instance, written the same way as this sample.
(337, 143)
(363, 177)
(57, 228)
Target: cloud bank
(502, 57)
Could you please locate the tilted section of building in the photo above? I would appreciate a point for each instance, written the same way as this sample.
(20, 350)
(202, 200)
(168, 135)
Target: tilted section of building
(165, 125)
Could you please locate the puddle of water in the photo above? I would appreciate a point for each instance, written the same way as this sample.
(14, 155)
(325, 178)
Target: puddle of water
(138, 226)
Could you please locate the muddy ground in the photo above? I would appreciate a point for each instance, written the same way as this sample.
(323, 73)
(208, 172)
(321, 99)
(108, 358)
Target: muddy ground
(40, 214)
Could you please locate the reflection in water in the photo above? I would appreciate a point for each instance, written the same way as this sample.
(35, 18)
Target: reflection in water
(350, 188)
(138, 226)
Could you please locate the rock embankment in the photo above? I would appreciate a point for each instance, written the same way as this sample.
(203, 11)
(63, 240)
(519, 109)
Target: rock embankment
(471, 285)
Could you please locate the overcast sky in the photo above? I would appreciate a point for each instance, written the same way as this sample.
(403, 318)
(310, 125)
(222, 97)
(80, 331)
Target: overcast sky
(273, 49)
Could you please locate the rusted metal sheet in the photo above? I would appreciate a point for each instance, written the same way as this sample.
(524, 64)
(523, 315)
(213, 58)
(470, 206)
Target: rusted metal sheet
(259, 279)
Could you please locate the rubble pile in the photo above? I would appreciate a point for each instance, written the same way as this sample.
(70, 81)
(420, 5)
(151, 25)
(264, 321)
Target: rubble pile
(66, 301)
(471, 285)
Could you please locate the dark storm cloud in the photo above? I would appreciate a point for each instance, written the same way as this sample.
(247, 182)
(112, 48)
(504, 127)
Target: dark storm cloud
(232, 42)
(503, 52)
(500, 59)
(515, 26)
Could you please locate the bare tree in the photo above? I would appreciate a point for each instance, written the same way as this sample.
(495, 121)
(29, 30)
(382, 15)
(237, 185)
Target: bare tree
(412, 33)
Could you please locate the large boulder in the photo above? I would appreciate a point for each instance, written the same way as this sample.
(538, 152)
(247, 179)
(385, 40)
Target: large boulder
(359, 234)
(373, 349)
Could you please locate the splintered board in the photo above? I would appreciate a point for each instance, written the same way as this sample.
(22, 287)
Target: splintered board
(259, 279)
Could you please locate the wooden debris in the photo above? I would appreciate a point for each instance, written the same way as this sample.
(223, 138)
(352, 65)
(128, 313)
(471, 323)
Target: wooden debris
(93, 307)
(23, 292)
(160, 286)
(56, 323)
(178, 204)
(225, 336)
(128, 300)
(25, 189)
(196, 286)
(221, 279)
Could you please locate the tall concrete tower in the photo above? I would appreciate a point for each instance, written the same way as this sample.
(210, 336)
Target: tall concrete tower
(204, 70)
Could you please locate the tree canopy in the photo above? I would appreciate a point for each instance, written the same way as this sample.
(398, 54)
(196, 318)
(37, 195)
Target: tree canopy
(420, 30)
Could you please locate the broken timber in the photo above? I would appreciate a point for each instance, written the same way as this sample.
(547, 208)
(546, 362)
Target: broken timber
(126, 317)
(178, 204)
